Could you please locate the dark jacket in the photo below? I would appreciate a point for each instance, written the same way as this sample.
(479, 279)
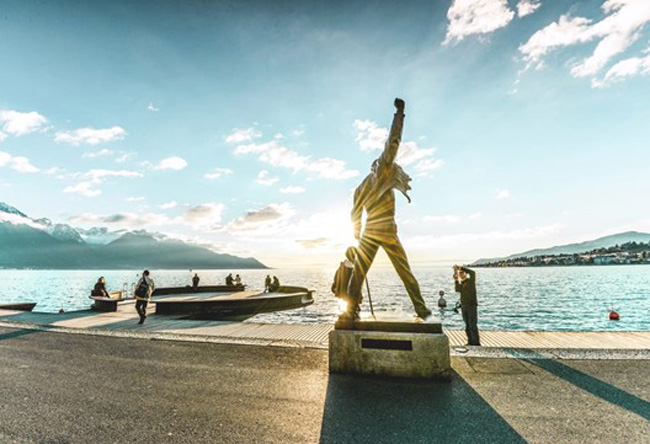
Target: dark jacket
(99, 290)
(467, 289)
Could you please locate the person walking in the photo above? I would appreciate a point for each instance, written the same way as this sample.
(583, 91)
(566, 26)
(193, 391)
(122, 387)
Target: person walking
(465, 282)
(143, 291)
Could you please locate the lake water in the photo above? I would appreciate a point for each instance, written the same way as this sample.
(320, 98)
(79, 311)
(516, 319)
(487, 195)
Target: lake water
(533, 299)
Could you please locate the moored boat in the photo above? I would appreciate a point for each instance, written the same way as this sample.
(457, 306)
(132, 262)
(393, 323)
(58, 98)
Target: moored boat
(18, 306)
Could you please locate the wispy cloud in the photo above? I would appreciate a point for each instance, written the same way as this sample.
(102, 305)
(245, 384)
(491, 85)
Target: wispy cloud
(243, 135)
(261, 218)
(151, 107)
(86, 189)
(17, 123)
(470, 17)
(174, 163)
(502, 194)
(124, 156)
(207, 216)
(264, 179)
(273, 153)
(90, 136)
(630, 67)
(135, 199)
(217, 173)
(168, 205)
(17, 163)
(527, 7)
(92, 179)
(101, 153)
(292, 190)
(372, 137)
(616, 32)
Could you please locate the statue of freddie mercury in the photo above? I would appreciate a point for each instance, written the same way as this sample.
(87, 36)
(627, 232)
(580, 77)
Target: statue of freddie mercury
(376, 195)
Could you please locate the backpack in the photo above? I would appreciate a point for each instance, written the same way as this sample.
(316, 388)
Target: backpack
(143, 289)
(341, 281)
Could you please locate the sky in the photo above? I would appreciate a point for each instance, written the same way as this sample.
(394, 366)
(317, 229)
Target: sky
(245, 126)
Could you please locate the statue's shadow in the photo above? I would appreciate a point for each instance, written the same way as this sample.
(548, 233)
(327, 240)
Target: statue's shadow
(373, 410)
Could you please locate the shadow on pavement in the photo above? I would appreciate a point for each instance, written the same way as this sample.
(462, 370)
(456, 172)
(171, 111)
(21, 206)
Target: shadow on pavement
(588, 383)
(15, 334)
(369, 410)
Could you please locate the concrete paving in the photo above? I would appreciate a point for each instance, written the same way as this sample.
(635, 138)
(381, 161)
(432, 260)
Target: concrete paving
(63, 388)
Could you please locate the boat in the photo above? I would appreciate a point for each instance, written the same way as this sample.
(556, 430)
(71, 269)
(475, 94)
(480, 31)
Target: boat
(18, 306)
(215, 304)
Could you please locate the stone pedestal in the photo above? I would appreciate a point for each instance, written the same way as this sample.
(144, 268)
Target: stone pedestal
(390, 348)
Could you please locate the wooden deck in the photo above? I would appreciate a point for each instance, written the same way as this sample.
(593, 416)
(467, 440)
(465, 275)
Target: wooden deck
(123, 322)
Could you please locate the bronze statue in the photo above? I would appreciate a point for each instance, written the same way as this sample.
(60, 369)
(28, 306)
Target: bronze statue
(376, 195)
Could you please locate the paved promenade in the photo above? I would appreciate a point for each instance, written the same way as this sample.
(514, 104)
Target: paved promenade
(79, 388)
(123, 323)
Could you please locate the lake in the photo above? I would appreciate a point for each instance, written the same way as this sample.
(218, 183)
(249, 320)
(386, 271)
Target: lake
(533, 299)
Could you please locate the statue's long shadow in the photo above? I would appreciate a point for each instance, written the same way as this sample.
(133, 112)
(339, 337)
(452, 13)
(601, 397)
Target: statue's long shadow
(368, 410)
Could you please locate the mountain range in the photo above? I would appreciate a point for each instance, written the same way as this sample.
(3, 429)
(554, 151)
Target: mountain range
(577, 248)
(41, 244)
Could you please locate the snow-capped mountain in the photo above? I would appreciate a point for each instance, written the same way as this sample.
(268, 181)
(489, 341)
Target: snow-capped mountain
(40, 243)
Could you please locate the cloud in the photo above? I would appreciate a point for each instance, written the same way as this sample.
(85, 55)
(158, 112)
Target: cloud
(243, 135)
(91, 179)
(124, 156)
(3, 136)
(502, 194)
(616, 32)
(265, 217)
(171, 163)
(313, 243)
(168, 205)
(204, 216)
(125, 220)
(17, 123)
(17, 163)
(217, 173)
(90, 136)
(370, 136)
(624, 69)
(152, 108)
(278, 155)
(527, 7)
(101, 153)
(264, 179)
(292, 190)
(468, 17)
(86, 189)
(135, 199)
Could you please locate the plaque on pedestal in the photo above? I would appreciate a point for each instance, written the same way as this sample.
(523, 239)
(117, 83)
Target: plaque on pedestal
(390, 347)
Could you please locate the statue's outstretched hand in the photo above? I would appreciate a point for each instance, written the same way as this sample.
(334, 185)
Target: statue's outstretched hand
(399, 104)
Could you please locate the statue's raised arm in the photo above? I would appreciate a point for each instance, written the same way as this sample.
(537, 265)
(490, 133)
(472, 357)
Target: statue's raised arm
(395, 136)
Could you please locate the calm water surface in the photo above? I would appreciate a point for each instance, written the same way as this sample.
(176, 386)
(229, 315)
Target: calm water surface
(535, 299)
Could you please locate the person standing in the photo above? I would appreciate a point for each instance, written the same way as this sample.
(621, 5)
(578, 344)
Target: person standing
(143, 291)
(442, 302)
(341, 283)
(195, 282)
(465, 280)
(237, 280)
(267, 284)
(229, 280)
